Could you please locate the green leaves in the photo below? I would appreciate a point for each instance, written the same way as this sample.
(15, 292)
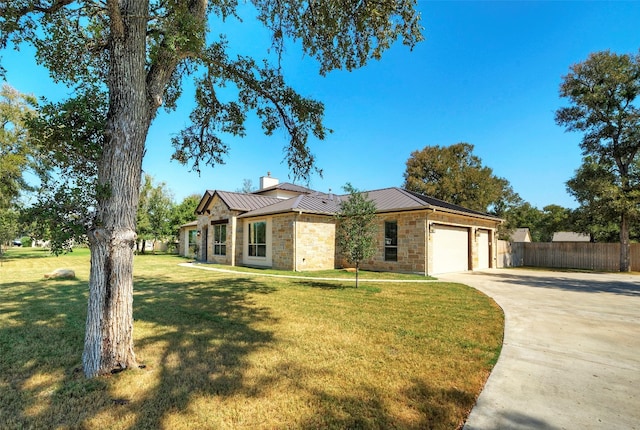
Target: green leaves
(356, 229)
(341, 34)
(261, 89)
(453, 174)
(17, 155)
(603, 92)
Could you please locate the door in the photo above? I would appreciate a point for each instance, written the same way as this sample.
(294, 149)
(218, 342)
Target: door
(203, 244)
(484, 250)
(450, 249)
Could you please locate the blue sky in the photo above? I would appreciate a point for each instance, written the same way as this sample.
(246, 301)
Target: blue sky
(487, 73)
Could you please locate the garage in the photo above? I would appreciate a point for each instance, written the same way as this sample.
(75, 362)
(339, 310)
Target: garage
(483, 249)
(450, 248)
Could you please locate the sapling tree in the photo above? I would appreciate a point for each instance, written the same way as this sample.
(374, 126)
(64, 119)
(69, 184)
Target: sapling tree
(356, 228)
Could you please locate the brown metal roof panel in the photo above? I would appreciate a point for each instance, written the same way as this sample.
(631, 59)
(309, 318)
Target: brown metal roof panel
(437, 203)
(302, 203)
(394, 199)
(286, 186)
(245, 202)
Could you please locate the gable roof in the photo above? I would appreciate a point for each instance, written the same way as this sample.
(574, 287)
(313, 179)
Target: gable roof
(569, 236)
(286, 186)
(522, 234)
(235, 201)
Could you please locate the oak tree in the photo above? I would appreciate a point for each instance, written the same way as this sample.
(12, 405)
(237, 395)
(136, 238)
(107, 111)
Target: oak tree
(603, 94)
(16, 153)
(138, 53)
(454, 174)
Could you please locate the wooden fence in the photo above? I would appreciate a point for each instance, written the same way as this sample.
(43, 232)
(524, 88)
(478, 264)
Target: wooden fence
(566, 255)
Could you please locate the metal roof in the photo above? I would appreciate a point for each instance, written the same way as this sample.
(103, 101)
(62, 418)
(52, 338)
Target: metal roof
(286, 186)
(236, 201)
(320, 204)
(386, 200)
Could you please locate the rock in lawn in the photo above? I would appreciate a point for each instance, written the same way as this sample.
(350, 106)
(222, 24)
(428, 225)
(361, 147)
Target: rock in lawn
(61, 274)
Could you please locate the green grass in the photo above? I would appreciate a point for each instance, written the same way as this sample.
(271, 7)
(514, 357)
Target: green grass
(230, 351)
(338, 273)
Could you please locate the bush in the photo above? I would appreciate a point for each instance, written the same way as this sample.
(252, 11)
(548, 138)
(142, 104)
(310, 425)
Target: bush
(26, 241)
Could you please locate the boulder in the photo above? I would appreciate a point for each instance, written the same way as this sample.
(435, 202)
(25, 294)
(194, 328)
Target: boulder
(61, 274)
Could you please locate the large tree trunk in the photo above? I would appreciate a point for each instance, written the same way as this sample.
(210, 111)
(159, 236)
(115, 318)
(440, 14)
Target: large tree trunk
(625, 249)
(109, 330)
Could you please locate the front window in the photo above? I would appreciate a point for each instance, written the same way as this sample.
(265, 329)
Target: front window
(220, 239)
(391, 241)
(258, 239)
(193, 241)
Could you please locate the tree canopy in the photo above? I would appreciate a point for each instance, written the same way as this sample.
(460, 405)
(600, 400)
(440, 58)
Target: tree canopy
(154, 211)
(603, 92)
(16, 151)
(124, 59)
(454, 174)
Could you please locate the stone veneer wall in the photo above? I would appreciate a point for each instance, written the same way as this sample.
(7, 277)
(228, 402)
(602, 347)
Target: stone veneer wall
(313, 246)
(219, 211)
(316, 242)
(415, 249)
(282, 242)
(411, 244)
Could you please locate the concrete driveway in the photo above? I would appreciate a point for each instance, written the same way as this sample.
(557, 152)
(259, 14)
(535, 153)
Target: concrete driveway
(571, 354)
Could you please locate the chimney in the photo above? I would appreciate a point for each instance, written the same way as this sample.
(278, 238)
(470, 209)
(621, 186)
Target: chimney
(268, 181)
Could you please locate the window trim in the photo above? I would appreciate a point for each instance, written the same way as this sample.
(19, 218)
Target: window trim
(253, 244)
(219, 247)
(389, 242)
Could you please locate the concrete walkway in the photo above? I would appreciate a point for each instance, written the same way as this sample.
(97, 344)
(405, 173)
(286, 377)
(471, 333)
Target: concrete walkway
(571, 353)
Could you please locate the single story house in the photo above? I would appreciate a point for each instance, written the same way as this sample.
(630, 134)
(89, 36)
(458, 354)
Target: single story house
(188, 239)
(522, 234)
(290, 227)
(570, 236)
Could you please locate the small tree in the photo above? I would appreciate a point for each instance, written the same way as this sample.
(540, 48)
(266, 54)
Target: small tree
(356, 229)
(154, 211)
(183, 213)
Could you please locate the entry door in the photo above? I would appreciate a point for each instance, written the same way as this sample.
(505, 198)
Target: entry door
(450, 249)
(484, 251)
(203, 245)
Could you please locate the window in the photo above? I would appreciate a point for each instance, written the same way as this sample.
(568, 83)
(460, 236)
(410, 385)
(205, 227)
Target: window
(220, 239)
(258, 239)
(193, 242)
(390, 241)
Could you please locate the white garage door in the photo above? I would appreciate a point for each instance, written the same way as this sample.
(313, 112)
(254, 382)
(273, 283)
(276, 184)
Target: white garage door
(483, 249)
(450, 249)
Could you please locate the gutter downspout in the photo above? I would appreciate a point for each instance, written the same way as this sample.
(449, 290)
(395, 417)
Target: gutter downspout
(295, 240)
(427, 236)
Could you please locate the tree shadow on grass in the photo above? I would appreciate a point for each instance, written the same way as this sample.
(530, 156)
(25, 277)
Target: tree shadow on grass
(367, 406)
(204, 330)
(209, 333)
(325, 285)
(196, 339)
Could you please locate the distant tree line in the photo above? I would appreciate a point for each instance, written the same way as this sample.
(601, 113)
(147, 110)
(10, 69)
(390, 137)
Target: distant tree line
(456, 175)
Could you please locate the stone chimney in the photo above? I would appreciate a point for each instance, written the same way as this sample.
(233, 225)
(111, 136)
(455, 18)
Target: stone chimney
(268, 181)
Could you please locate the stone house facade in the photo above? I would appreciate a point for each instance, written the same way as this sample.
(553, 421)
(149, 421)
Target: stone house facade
(288, 227)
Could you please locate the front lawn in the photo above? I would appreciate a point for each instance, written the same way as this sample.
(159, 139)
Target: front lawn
(230, 351)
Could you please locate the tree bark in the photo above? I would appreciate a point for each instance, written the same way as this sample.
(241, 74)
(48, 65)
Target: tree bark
(109, 329)
(625, 248)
